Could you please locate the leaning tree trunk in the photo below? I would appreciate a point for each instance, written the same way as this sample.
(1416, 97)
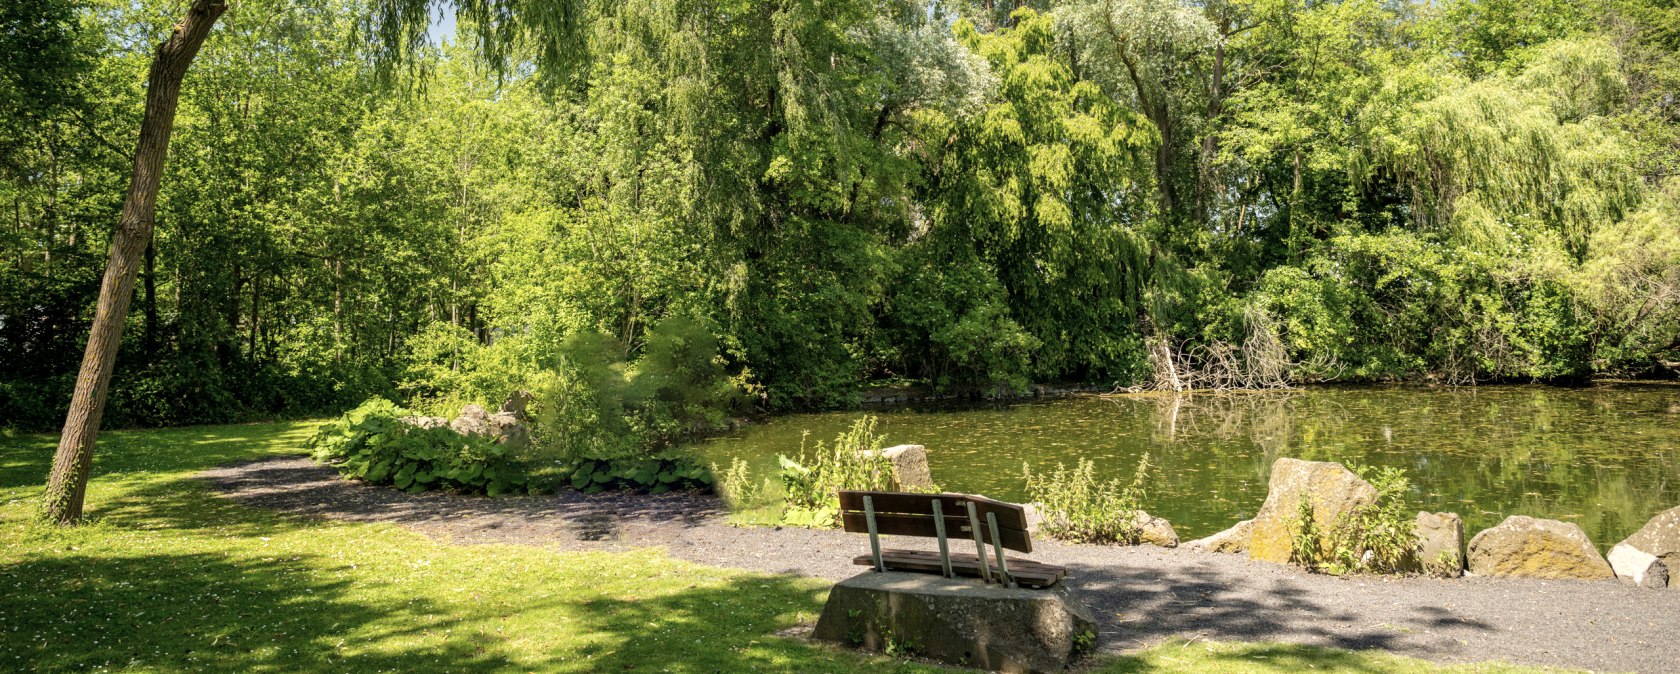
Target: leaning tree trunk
(68, 483)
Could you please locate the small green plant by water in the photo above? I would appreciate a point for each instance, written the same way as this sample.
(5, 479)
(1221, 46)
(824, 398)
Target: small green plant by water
(1082, 509)
(811, 483)
(1378, 538)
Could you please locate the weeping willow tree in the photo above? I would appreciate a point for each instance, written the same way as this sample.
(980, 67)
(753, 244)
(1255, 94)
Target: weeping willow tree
(1507, 159)
(1032, 251)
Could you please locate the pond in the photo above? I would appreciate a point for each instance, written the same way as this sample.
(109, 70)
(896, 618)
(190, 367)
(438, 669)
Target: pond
(1605, 457)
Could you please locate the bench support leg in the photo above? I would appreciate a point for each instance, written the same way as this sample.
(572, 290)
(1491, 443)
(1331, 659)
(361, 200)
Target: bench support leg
(939, 529)
(997, 546)
(979, 544)
(874, 537)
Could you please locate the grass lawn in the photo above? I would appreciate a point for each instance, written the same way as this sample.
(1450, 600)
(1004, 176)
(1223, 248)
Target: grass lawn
(170, 578)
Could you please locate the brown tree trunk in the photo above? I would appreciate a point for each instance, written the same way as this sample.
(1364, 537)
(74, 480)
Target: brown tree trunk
(67, 485)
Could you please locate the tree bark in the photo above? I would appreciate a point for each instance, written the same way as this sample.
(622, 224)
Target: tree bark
(67, 485)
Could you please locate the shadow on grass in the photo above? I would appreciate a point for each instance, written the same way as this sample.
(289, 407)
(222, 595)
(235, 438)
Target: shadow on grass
(1251, 659)
(206, 612)
(26, 458)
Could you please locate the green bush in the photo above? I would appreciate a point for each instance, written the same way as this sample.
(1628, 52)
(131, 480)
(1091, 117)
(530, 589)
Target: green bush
(597, 405)
(1378, 538)
(655, 475)
(811, 484)
(373, 443)
(1079, 508)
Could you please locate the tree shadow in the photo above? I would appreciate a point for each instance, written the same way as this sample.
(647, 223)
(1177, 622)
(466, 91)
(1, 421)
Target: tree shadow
(727, 627)
(1140, 607)
(209, 612)
(26, 458)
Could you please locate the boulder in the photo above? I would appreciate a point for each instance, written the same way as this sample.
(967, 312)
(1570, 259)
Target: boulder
(509, 429)
(504, 427)
(473, 420)
(1660, 539)
(1636, 567)
(1335, 493)
(961, 621)
(910, 466)
(1156, 530)
(1234, 539)
(426, 422)
(1528, 547)
(516, 404)
(1440, 549)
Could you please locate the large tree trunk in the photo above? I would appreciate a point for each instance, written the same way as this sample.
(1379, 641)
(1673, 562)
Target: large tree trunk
(67, 485)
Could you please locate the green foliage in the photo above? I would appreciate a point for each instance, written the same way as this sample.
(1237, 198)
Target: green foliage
(597, 405)
(737, 484)
(811, 484)
(1380, 537)
(374, 444)
(961, 195)
(654, 475)
(1079, 508)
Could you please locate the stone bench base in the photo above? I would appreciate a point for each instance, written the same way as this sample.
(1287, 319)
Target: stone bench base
(960, 621)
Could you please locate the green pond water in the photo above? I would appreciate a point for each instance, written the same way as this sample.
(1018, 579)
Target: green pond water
(1605, 457)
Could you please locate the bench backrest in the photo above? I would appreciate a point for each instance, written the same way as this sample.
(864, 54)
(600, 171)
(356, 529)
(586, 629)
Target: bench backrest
(905, 514)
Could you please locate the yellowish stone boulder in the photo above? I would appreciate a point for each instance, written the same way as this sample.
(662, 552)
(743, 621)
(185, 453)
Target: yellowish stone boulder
(1528, 547)
(1335, 492)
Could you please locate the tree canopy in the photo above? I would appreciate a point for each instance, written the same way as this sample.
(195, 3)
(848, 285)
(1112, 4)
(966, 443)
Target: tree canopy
(840, 194)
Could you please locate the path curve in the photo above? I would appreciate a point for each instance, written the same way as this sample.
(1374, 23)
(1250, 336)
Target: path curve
(1142, 595)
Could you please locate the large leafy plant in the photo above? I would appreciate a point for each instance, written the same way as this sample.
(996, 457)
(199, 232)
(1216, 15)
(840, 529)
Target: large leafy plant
(374, 444)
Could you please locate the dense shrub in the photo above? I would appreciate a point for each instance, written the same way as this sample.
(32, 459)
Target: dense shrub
(811, 483)
(373, 443)
(595, 404)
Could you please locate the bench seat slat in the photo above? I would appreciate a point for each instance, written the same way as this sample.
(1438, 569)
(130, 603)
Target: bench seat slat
(1026, 572)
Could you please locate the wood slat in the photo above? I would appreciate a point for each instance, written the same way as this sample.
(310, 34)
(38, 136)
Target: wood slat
(932, 555)
(956, 529)
(1025, 572)
(1012, 518)
(1010, 514)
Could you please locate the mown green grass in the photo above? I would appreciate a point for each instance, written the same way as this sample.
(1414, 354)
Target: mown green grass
(170, 578)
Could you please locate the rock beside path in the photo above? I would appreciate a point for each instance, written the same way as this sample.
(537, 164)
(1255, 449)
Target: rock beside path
(960, 621)
(1336, 493)
(1232, 540)
(1659, 540)
(1440, 549)
(1528, 547)
(1154, 530)
(1636, 567)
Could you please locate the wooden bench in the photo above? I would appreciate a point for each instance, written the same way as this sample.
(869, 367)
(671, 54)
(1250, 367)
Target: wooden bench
(987, 522)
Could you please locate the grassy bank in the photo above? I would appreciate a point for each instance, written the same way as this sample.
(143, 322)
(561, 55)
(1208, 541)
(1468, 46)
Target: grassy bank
(169, 578)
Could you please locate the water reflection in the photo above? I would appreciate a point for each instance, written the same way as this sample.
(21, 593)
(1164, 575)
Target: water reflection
(1606, 458)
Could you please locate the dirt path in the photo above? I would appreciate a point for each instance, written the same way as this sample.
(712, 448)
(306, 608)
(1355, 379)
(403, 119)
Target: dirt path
(1141, 595)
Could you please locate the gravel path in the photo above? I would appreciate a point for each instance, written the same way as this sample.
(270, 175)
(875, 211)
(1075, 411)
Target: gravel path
(1141, 595)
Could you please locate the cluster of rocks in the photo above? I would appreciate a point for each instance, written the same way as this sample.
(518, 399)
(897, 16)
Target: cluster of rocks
(1519, 547)
(507, 425)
